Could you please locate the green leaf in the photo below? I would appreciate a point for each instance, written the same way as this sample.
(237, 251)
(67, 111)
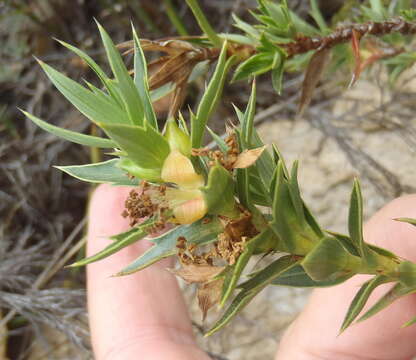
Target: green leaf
(102, 172)
(392, 295)
(317, 16)
(120, 242)
(296, 237)
(245, 27)
(161, 91)
(239, 39)
(329, 259)
(218, 140)
(407, 273)
(361, 298)
(277, 77)
(141, 80)
(165, 244)
(219, 192)
(297, 277)
(69, 135)
(355, 219)
(410, 322)
(247, 123)
(242, 188)
(295, 192)
(407, 220)
(128, 90)
(94, 107)
(251, 288)
(94, 66)
(145, 146)
(302, 27)
(203, 22)
(242, 261)
(378, 7)
(210, 98)
(130, 167)
(255, 65)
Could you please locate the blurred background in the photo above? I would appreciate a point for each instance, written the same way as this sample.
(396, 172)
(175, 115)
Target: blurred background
(367, 131)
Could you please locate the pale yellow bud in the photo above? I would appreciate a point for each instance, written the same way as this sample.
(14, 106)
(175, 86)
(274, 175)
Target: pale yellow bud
(178, 169)
(190, 211)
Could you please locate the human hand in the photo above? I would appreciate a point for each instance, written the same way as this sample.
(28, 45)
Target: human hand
(143, 315)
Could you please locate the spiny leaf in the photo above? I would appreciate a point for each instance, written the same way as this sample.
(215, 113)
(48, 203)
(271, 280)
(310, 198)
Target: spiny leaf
(219, 192)
(316, 68)
(93, 107)
(296, 237)
(121, 241)
(295, 192)
(128, 90)
(218, 140)
(329, 259)
(131, 168)
(145, 146)
(140, 80)
(69, 135)
(355, 219)
(407, 220)
(242, 262)
(361, 298)
(255, 65)
(297, 277)
(277, 76)
(251, 288)
(317, 16)
(407, 273)
(165, 244)
(246, 27)
(247, 121)
(410, 322)
(210, 99)
(396, 292)
(94, 66)
(103, 172)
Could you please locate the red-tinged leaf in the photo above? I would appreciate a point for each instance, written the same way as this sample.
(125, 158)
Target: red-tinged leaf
(355, 45)
(314, 72)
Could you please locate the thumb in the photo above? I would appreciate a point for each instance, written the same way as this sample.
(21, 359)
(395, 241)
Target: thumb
(314, 334)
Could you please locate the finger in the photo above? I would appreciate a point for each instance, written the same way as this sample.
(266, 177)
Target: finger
(142, 315)
(314, 333)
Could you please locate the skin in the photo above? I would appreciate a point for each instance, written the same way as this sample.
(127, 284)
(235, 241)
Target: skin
(143, 316)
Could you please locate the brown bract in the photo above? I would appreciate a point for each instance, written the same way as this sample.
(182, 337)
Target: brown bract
(209, 294)
(248, 157)
(192, 273)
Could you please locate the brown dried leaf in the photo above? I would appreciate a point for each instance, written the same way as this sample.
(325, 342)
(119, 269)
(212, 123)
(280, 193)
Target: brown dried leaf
(248, 157)
(209, 294)
(197, 273)
(315, 69)
(174, 69)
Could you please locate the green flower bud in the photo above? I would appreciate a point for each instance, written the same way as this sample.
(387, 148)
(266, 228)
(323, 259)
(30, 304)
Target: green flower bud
(177, 138)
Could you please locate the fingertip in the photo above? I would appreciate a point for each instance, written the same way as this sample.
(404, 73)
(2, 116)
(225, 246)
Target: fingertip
(105, 211)
(384, 231)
